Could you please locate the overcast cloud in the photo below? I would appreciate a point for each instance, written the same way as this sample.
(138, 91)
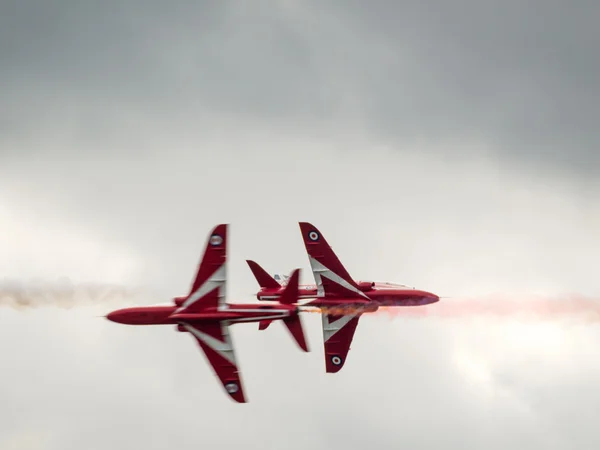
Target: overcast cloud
(451, 148)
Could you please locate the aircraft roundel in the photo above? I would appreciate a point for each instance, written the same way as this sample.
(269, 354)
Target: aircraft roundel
(215, 239)
(336, 360)
(313, 236)
(232, 387)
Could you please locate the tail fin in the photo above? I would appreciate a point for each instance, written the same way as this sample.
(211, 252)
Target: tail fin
(292, 323)
(289, 296)
(264, 279)
(331, 277)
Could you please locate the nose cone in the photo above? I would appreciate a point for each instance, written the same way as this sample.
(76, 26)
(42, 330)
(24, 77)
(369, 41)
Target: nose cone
(429, 298)
(116, 316)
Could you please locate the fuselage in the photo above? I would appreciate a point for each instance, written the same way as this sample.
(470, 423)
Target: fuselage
(377, 294)
(171, 315)
(304, 292)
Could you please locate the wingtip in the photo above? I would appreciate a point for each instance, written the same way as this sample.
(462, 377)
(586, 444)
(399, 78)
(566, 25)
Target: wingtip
(238, 397)
(333, 369)
(222, 228)
(331, 366)
(218, 235)
(309, 226)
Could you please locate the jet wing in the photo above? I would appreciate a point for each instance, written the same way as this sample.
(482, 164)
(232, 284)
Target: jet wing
(338, 331)
(331, 277)
(215, 340)
(209, 286)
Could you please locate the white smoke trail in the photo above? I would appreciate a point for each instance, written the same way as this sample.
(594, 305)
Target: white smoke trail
(64, 294)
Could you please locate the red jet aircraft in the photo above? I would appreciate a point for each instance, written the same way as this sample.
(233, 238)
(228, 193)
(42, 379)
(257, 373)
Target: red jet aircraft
(341, 299)
(205, 314)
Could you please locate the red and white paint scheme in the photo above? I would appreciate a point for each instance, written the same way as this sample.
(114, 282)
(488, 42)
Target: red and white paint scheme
(273, 286)
(341, 299)
(206, 316)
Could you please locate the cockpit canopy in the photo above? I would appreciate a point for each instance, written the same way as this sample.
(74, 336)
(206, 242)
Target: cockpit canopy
(281, 279)
(366, 286)
(388, 285)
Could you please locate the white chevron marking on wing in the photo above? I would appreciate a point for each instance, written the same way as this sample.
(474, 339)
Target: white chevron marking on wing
(217, 280)
(319, 271)
(225, 349)
(331, 328)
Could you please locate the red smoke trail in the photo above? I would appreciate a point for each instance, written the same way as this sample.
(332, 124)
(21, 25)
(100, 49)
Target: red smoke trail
(537, 309)
(574, 307)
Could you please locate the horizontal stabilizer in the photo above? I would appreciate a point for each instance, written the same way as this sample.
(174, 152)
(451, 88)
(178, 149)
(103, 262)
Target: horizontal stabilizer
(264, 324)
(294, 326)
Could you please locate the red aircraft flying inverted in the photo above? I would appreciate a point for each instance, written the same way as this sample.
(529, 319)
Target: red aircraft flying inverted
(204, 313)
(341, 299)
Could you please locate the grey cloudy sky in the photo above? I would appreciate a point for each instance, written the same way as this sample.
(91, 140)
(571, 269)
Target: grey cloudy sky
(452, 148)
